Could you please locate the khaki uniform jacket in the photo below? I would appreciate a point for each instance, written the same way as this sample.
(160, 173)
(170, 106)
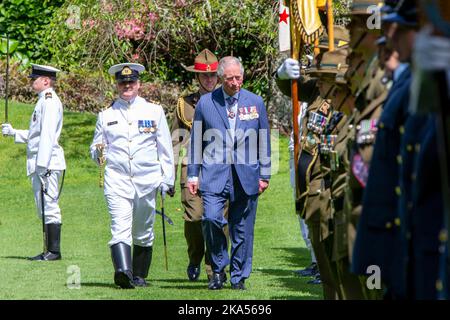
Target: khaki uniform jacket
(369, 108)
(181, 127)
(314, 194)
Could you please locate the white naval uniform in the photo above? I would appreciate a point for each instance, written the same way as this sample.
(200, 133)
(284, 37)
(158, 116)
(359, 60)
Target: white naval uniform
(44, 151)
(137, 162)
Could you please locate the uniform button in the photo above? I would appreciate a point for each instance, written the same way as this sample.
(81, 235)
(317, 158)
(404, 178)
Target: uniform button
(350, 126)
(131, 158)
(409, 147)
(130, 123)
(401, 129)
(443, 235)
(358, 127)
(439, 285)
(388, 225)
(417, 147)
(397, 222)
(130, 140)
(399, 159)
(398, 190)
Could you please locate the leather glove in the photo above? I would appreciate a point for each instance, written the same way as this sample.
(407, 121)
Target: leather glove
(8, 130)
(289, 69)
(164, 189)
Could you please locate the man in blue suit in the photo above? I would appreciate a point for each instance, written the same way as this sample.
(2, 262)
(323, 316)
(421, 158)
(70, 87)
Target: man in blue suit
(229, 160)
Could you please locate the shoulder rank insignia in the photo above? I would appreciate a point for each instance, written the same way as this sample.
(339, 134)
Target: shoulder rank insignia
(48, 95)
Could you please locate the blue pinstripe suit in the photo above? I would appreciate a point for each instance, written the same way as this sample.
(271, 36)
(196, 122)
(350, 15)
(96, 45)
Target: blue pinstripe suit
(229, 165)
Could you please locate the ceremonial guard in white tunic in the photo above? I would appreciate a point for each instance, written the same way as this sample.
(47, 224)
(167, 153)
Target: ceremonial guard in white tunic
(45, 157)
(133, 139)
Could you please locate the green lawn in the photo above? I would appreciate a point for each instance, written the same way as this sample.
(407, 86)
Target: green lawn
(278, 247)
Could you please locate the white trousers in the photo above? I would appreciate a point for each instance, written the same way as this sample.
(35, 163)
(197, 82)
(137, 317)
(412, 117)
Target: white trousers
(132, 219)
(51, 208)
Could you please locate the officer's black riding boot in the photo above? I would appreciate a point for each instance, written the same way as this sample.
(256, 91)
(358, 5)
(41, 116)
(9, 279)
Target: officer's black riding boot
(142, 258)
(40, 256)
(53, 242)
(121, 258)
(53, 232)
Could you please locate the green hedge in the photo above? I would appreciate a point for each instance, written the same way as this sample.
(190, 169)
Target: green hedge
(168, 34)
(25, 21)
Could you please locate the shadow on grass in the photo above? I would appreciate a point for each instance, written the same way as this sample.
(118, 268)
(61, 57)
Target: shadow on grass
(77, 133)
(99, 285)
(298, 258)
(17, 258)
(180, 284)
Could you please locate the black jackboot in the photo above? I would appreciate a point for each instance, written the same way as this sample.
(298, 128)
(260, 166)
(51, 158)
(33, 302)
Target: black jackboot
(142, 258)
(121, 258)
(53, 231)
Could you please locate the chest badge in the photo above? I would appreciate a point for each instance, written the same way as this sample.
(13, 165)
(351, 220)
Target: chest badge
(248, 113)
(147, 126)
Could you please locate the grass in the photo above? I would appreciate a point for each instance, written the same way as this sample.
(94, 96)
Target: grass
(278, 247)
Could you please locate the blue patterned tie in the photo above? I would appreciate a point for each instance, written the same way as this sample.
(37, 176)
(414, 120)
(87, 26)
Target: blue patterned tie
(230, 101)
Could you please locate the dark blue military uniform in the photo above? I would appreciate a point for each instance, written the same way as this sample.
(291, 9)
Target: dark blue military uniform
(426, 217)
(417, 193)
(378, 236)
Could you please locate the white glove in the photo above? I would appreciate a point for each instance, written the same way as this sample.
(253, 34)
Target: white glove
(164, 188)
(431, 52)
(290, 69)
(8, 130)
(42, 173)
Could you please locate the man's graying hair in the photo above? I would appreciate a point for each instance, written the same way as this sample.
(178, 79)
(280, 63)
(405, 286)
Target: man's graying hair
(225, 61)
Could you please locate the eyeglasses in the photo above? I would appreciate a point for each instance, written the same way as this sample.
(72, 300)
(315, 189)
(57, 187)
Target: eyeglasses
(237, 78)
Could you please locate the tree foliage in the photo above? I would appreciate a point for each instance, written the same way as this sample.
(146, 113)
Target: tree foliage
(25, 21)
(164, 34)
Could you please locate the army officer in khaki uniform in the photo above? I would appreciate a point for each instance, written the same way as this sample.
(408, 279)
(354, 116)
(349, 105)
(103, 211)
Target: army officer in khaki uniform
(205, 68)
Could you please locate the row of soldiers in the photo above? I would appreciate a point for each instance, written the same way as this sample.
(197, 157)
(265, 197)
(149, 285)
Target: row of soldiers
(368, 172)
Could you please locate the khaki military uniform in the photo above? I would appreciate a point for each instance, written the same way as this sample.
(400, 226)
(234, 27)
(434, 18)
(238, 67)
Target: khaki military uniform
(349, 284)
(314, 202)
(360, 142)
(192, 204)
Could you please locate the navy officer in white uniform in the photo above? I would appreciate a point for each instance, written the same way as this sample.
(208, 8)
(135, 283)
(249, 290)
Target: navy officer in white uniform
(45, 157)
(133, 137)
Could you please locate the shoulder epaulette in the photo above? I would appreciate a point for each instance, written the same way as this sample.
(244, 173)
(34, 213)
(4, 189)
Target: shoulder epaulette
(110, 105)
(180, 112)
